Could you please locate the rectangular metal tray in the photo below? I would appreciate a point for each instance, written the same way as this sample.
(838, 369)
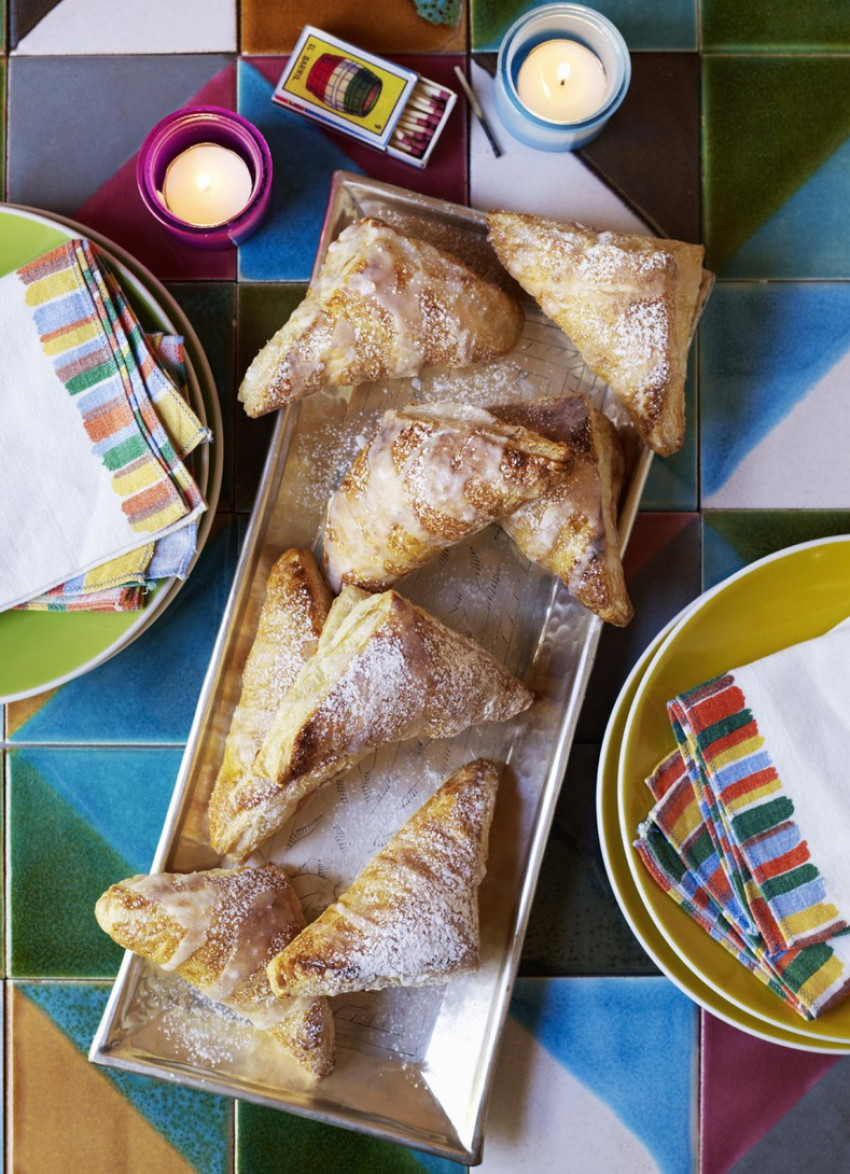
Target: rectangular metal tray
(413, 1065)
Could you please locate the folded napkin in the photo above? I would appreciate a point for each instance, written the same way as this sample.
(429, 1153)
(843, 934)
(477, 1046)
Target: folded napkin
(94, 438)
(749, 828)
(123, 583)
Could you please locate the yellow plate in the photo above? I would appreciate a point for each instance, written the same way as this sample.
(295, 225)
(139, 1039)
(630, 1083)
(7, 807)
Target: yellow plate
(793, 595)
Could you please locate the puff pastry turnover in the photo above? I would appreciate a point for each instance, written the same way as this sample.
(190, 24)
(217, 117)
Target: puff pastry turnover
(572, 529)
(294, 610)
(431, 475)
(387, 672)
(218, 930)
(383, 305)
(629, 303)
(411, 916)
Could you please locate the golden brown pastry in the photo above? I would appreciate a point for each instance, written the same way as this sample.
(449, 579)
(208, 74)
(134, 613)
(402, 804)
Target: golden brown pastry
(382, 306)
(295, 607)
(388, 672)
(411, 916)
(218, 930)
(431, 475)
(629, 303)
(572, 529)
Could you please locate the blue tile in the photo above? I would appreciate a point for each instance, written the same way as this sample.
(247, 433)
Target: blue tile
(631, 1042)
(304, 158)
(772, 392)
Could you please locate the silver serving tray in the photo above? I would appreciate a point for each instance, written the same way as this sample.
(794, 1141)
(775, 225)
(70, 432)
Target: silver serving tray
(413, 1065)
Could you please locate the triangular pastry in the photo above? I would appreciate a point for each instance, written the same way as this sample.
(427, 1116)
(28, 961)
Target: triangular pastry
(411, 916)
(629, 303)
(572, 529)
(382, 306)
(389, 672)
(431, 475)
(293, 613)
(218, 930)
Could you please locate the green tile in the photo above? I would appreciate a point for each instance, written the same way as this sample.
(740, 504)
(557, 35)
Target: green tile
(575, 926)
(787, 25)
(211, 308)
(733, 539)
(262, 310)
(263, 1135)
(79, 820)
(672, 481)
(772, 123)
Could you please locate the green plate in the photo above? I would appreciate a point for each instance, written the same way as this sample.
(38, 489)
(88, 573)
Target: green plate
(40, 650)
(791, 596)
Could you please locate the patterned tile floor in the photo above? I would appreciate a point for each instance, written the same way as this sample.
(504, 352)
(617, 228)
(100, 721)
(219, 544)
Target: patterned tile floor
(734, 133)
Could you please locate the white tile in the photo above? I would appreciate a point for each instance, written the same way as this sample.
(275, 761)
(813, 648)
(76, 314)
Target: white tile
(123, 26)
(548, 183)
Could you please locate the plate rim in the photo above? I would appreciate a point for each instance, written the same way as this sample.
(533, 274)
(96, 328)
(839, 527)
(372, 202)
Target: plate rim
(650, 937)
(770, 1024)
(206, 399)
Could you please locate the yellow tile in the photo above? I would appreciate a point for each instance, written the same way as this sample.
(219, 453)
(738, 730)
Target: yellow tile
(66, 1114)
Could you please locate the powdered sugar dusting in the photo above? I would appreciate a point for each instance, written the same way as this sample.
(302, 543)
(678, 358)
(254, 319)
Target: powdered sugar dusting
(411, 916)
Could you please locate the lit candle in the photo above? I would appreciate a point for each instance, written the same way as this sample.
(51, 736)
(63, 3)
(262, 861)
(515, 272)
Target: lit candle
(562, 81)
(207, 184)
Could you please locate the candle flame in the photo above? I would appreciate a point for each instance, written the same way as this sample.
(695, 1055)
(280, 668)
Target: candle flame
(564, 72)
(204, 182)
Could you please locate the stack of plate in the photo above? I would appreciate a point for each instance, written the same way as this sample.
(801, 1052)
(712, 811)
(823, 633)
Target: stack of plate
(41, 650)
(794, 595)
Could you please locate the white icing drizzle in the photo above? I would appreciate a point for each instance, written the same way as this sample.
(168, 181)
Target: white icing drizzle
(192, 904)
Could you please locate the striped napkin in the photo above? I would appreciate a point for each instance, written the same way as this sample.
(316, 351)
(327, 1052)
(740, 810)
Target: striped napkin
(95, 442)
(751, 815)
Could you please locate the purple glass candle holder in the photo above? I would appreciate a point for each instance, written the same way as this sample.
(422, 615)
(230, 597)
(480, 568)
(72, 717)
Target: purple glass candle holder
(191, 127)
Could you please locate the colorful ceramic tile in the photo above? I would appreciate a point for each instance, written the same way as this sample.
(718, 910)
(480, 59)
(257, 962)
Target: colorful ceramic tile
(564, 188)
(662, 565)
(773, 368)
(576, 926)
(306, 155)
(211, 309)
(262, 1135)
(69, 1114)
(645, 24)
(649, 152)
(3, 105)
(262, 310)
(733, 539)
(782, 25)
(405, 26)
(774, 202)
(120, 26)
(73, 101)
(641, 174)
(673, 482)
(600, 1069)
(147, 693)
(111, 806)
(763, 1105)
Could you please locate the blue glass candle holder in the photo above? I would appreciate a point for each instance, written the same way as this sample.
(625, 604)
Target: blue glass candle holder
(572, 22)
